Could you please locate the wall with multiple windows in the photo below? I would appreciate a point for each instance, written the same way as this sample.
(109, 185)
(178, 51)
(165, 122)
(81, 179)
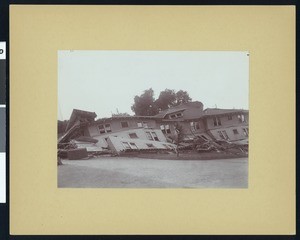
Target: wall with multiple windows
(231, 126)
(231, 133)
(134, 134)
(188, 127)
(118, 144)
(220, 121)
(166, 128)
(116, 125)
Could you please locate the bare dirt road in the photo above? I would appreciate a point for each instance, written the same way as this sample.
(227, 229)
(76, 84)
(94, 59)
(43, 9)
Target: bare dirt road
(121, 172)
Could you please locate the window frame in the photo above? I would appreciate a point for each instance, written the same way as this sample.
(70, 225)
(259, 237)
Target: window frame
(246, 132)
(105, 128)
(223, 134)
(133, 145)
(126, 123)
(149, 136)
(136, 136)
(217, 121)
(154, 136)
(126, 145)
(165, 128)
(150, 145)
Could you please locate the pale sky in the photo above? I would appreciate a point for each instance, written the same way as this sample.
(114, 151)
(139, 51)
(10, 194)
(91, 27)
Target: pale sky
(104, 81)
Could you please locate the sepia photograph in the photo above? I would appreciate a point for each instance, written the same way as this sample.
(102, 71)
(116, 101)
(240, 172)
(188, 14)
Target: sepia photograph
(152, 119)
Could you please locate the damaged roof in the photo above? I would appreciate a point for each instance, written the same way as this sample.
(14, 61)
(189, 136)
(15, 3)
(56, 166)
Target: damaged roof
(124, 117)
(162, 114)
(218, 111)
(78, 115)
(179, 108)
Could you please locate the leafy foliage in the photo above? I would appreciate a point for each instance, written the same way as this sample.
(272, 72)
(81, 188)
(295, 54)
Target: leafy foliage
(182, 97)
(166, 99)
(146, 105)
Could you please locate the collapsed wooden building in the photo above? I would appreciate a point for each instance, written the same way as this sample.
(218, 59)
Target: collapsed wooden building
(123, 133)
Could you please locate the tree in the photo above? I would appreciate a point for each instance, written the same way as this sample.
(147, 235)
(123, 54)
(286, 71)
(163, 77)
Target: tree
(144, 105)
(166, 99)
(182, 97)
(169, 98)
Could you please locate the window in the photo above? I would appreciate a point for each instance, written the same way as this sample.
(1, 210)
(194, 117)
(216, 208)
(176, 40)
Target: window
(177, 115)
(126, 145)
(165, 129)
(142, 124)
(150, 145)
(241, 118)
(192, 124)
(133, 145)
(149, 136)
(130, 145)
(204, 137)
(104, 128)
(217, 121)
(101, 129)
(235, 131)
(107, 127)
(230, 117)
(246, 132)
(133, 135)
(124, 124)
(195, 126)
(223, 135)
(154, 135)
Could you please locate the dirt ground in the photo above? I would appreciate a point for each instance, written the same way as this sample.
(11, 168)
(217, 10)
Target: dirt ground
(121, 172)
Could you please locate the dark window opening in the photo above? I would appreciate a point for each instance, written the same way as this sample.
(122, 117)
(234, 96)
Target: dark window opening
(150, 145)
(165, 129)
(149, 136)
(241, 118)
(245, 131)
(124, 124)
(133, 135)
(154, 135)
(176, 115)
(217, 121)
(104, 128)
(133, 145)
(204, 137)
